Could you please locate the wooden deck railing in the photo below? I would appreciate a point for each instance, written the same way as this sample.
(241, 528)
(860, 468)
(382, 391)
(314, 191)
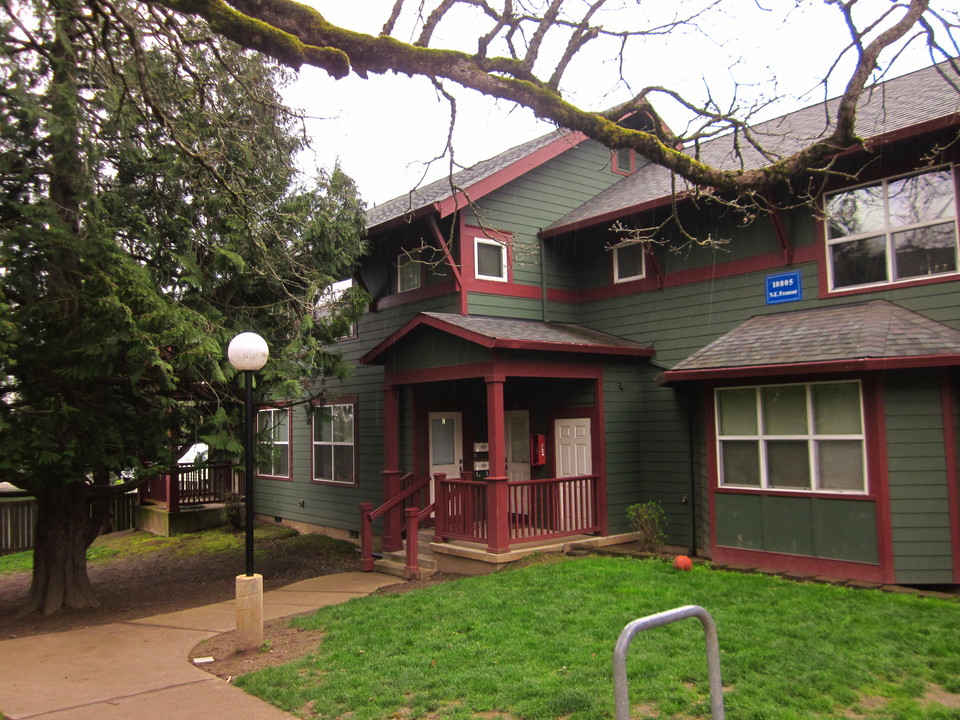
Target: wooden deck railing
(537, 509)
(194, 485)
(558, 507)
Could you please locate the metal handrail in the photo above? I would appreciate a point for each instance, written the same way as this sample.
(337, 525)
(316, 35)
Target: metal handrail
(620, 689)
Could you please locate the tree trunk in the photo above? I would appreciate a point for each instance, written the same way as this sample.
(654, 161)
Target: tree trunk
(60, 552)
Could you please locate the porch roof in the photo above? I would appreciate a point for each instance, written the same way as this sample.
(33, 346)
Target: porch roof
(873, 335)
(510, 334)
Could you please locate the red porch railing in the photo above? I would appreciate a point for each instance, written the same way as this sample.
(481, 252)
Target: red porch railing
(536, 509)
(193, 485)
(558, 507)
(415, 492)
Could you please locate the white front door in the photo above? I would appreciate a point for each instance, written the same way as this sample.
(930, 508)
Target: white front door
(574, 458)
(574, 447)
(517, 444)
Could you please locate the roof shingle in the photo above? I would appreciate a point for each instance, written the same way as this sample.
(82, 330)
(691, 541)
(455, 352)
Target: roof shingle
(886, 108)
(877, 329)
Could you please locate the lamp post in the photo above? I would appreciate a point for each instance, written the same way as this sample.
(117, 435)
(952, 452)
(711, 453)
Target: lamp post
(248, 352)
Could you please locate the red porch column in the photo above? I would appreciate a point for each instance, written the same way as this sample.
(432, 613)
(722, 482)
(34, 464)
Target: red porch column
(393, 520)
(498, 526)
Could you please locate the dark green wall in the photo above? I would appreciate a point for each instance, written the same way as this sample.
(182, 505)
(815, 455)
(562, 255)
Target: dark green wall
(919, 501)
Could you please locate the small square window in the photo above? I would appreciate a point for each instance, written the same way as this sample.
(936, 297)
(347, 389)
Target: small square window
(628, 262)
(491, 260)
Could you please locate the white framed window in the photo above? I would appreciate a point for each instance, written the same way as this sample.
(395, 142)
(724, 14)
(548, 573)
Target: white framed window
(274, 433)
(408, 271)
(895, 230)
(490, 259)
(628, 261)
(334, 443)
(799, 437)
(329, 304)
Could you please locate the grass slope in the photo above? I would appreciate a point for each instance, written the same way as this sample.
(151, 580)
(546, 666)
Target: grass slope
(536, 643)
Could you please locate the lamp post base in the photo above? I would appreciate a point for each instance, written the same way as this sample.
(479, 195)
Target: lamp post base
(249, 612)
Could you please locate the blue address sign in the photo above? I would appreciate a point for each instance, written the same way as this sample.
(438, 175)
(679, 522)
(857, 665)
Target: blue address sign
(785, 287)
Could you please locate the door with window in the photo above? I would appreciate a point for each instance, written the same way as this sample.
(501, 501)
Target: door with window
(446, 446)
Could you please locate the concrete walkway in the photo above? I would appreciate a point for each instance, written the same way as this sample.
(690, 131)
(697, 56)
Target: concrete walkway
(139, 670)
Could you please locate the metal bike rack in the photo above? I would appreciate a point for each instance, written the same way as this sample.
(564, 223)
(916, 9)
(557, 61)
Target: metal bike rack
(620, 688)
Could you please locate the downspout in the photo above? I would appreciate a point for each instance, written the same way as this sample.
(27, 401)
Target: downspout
(544, 315)
(690, 499)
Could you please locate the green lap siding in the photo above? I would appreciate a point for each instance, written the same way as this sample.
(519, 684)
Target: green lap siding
(815, 527)
(917, 472)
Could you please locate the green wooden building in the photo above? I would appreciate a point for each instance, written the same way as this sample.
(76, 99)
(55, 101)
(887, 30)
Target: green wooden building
(527, 370)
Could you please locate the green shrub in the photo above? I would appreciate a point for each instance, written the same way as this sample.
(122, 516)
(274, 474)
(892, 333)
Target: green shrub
(648, 520)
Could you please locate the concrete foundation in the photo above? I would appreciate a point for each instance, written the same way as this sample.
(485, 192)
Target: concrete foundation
(249, 612)
(155, 519)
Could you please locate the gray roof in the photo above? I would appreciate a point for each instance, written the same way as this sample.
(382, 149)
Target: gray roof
(874, 330)
(894, 105)
(535, 331)
(422, 197)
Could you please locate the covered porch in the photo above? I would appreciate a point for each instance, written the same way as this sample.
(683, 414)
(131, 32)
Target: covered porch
(493, 437)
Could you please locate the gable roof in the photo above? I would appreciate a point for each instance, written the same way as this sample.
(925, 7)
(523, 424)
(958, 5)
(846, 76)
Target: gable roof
(919, 101)
(874, 335)
(510, 334)
(454, 192)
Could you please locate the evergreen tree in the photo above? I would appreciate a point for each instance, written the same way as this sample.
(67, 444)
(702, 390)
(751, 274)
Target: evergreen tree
(150, 209)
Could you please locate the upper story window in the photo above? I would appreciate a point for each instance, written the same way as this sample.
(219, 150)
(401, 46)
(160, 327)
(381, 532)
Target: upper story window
(330, 304)
(408, 271)
(628, 261)
(806, 437)
(333, 443)
(490, 259)
(274, 433)
(893, 231)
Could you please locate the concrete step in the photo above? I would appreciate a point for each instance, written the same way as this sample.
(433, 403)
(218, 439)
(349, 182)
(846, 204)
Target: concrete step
(398, 568)
(425, 560)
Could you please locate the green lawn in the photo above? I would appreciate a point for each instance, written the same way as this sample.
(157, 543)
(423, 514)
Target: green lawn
(138, 542)
(536, 643)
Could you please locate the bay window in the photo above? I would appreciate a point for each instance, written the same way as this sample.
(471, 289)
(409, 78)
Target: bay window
(892, 231)
(801, 437)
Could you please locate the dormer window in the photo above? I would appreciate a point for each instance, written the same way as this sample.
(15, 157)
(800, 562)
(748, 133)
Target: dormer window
(408, 271)
(490, 260)
(624, 161)
(628, 262)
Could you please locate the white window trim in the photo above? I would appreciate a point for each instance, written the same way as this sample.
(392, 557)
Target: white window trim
(887, 233)
(616, 263)
(403, 259)
(810, 437)
(314, 443)
(477, 242)
(285, 444)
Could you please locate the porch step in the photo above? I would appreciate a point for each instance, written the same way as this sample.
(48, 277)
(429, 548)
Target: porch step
(395, 563)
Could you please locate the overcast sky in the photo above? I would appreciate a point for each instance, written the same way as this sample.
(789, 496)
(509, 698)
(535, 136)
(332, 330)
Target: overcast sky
(384, 129)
